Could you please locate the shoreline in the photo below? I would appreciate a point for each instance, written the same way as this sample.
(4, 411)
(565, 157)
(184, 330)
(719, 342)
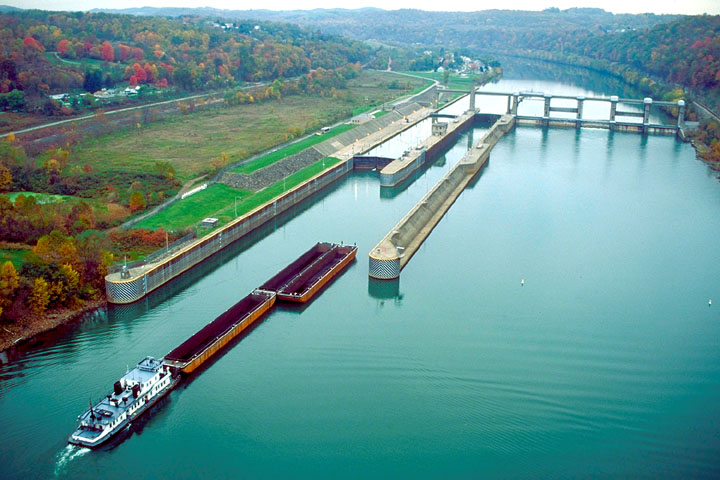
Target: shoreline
(15, 335)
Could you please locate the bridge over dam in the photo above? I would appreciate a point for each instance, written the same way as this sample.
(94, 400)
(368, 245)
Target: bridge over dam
(622, 114)
(130, 284)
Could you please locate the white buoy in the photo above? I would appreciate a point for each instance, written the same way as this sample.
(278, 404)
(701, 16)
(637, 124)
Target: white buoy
(522, 282)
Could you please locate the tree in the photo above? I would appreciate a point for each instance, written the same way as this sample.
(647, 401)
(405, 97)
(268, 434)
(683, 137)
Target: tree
(56, 249)
(63, 46)
(5, 178)
(40, 296)
(14, 100)
(93, 79)
(9, 282)
(165, 169)
(137, 202)
(108, 53)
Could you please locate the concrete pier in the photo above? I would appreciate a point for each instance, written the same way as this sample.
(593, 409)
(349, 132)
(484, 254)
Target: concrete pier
(394, 251)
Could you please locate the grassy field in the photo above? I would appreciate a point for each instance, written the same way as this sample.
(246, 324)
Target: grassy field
(296, 147)
(221, 201)
(194, 208)
(191, 142)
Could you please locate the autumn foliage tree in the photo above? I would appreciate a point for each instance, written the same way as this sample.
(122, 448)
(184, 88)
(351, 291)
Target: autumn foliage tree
(39, 296)
(9, 282)
(108, 53)
(137, 202)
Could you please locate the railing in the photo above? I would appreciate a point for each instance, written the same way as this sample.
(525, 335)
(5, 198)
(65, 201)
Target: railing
(155, 256)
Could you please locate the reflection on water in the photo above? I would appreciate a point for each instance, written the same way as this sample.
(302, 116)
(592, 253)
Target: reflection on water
(384, 289)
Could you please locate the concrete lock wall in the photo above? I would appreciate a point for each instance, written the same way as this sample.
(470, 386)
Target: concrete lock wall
(401, 169)
(395, 250)
(150, 277)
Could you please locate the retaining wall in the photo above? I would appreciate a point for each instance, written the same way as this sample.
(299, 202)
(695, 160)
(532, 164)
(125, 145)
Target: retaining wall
(149, 277)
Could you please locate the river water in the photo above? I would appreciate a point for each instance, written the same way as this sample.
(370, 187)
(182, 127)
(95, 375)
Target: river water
(603, 364)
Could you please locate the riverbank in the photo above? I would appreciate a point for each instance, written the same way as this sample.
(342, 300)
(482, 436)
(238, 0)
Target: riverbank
(28, 328)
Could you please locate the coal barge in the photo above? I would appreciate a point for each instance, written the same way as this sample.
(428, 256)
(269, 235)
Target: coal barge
(302, 279)
(194, 351)
(152, 379)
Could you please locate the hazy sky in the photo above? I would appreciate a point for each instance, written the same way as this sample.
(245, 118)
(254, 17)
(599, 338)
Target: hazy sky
(689, 7)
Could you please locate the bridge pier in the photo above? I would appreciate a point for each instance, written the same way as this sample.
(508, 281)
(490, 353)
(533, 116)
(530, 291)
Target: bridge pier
(471, 108)
(515, 101)
(681, 113)
(546, 111)
(613, 110)
(647, 103)
(578, 118)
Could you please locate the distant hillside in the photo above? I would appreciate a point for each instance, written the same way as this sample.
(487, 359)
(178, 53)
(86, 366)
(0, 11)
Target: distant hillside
(452, 29)
(674, 48)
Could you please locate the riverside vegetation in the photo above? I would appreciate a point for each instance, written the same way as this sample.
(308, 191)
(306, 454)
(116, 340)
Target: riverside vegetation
(89, 188)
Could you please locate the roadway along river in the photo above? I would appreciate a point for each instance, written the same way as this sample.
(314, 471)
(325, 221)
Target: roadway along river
(604, 364)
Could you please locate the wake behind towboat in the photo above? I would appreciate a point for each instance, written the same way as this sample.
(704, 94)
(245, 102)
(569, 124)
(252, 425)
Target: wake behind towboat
(132, 395)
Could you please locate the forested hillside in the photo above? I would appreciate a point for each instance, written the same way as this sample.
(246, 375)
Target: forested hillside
(49, 52)
(678, 49)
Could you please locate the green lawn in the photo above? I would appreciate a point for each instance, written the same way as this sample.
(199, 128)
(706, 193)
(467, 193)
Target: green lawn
(58, 60)
(194, 208)
(15, 256)
(296, 147)
(219, 201)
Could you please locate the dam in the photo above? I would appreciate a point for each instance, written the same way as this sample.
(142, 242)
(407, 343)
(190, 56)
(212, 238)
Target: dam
(607, 354)
(129, 285)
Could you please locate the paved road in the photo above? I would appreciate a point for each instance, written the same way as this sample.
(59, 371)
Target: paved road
(111, 112)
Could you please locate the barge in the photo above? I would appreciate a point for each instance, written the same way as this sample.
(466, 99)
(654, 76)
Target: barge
(302, 279)
(132, 396)
(212, 337)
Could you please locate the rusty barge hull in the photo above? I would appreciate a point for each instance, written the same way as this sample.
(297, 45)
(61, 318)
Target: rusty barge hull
(207, 341)
(300, 281)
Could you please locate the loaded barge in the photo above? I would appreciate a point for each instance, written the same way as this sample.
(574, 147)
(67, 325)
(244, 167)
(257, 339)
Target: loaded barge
(303, 278)
(152, 379)
(194, 351)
